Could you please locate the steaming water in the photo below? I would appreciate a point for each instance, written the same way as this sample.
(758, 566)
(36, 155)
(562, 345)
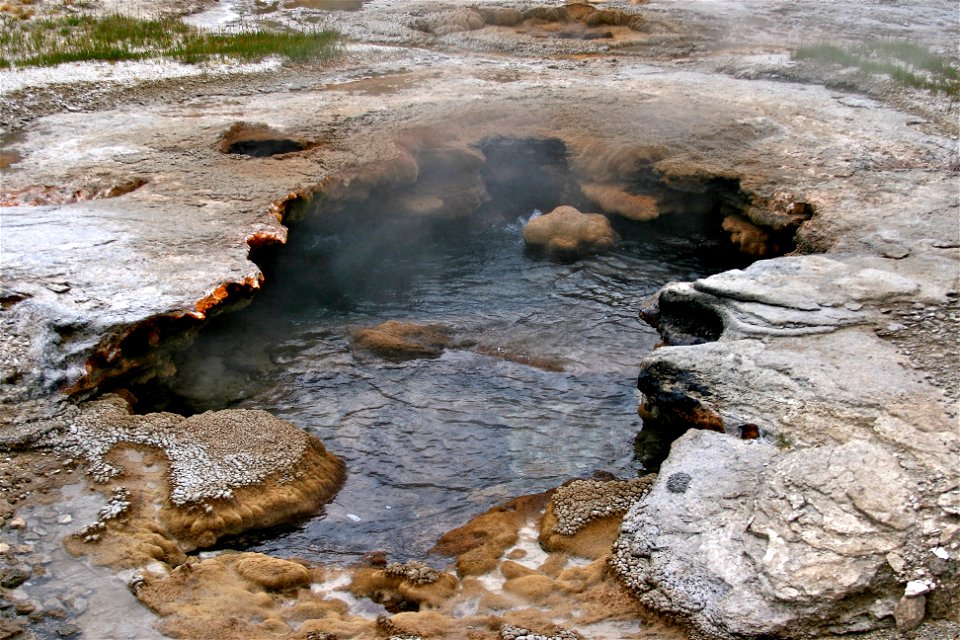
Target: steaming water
(431, 443)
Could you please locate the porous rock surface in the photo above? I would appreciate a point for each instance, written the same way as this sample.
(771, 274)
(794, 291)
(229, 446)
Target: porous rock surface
(566, 232)
(848, 498)
(228, 471)
(128, 223)
(579, 502)
(393, 340)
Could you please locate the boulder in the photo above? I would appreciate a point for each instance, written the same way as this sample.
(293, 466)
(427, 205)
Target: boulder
(567, 233)
(189, 481)
(759, 542)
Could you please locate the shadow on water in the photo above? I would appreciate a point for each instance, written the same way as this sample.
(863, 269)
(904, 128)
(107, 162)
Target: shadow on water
(430, 443)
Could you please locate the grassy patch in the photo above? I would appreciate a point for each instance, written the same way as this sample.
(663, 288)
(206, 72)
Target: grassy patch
(51, 41)
(906, 63)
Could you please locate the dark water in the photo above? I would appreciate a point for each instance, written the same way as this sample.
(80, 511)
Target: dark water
(431, 443)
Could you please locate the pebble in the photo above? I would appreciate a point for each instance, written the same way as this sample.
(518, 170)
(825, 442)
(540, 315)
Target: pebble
(25, 607)
(917, 588)
(13, 577)
(37, 558)
(17, 523)
(896, 562)
(79, 605)
(910, 612)
(65, 519)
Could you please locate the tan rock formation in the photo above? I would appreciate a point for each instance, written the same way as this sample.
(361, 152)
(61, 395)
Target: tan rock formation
(394, 340)
(479, 544)
(583, 516)
(252, 596)
(567, 233)
(271, 573)
(189, 481)
(614, 199)
(399, 592)
(240, 596)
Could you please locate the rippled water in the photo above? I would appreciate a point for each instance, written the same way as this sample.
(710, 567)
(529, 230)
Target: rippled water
(431, 443)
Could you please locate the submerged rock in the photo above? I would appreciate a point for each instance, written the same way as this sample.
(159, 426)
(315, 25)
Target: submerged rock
(394, 340)
(567, 233)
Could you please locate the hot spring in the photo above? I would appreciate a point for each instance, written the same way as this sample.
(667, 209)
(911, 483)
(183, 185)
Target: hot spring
(536, 386)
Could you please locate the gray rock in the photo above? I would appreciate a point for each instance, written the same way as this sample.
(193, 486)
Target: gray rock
(13, 577)
(910, 612)
(678, 482)
(858, 470)
(773, 541)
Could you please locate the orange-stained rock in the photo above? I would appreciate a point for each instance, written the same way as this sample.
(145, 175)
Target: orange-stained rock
(567, 233)
(748, 237)
(479, 544)
(614, 199)
(273, 573)
(394, 340)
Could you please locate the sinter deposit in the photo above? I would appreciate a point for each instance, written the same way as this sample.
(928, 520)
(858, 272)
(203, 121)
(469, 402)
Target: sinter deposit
(772, 185)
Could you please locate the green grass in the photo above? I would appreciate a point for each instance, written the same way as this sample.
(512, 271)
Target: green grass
(906, 63)
(51, 41)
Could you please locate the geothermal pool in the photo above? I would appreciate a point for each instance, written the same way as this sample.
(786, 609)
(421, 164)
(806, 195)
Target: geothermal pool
(431, 443)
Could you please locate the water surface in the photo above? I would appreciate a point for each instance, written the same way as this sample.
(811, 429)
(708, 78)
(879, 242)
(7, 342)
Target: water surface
(431, 443)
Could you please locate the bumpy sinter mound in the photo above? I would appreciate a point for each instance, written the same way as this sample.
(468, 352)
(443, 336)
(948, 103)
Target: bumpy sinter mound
(211, 475)
(565, 232)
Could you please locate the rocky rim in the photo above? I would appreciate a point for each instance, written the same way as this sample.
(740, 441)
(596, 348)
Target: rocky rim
(128, 224)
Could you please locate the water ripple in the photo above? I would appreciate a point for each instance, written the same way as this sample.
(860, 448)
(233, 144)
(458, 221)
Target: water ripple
(430, 443)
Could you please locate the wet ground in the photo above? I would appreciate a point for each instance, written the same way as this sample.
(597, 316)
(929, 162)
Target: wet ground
(184, 232)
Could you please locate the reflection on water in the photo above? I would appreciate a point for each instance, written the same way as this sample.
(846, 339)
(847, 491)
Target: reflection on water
(92, 597)
(431, 443)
